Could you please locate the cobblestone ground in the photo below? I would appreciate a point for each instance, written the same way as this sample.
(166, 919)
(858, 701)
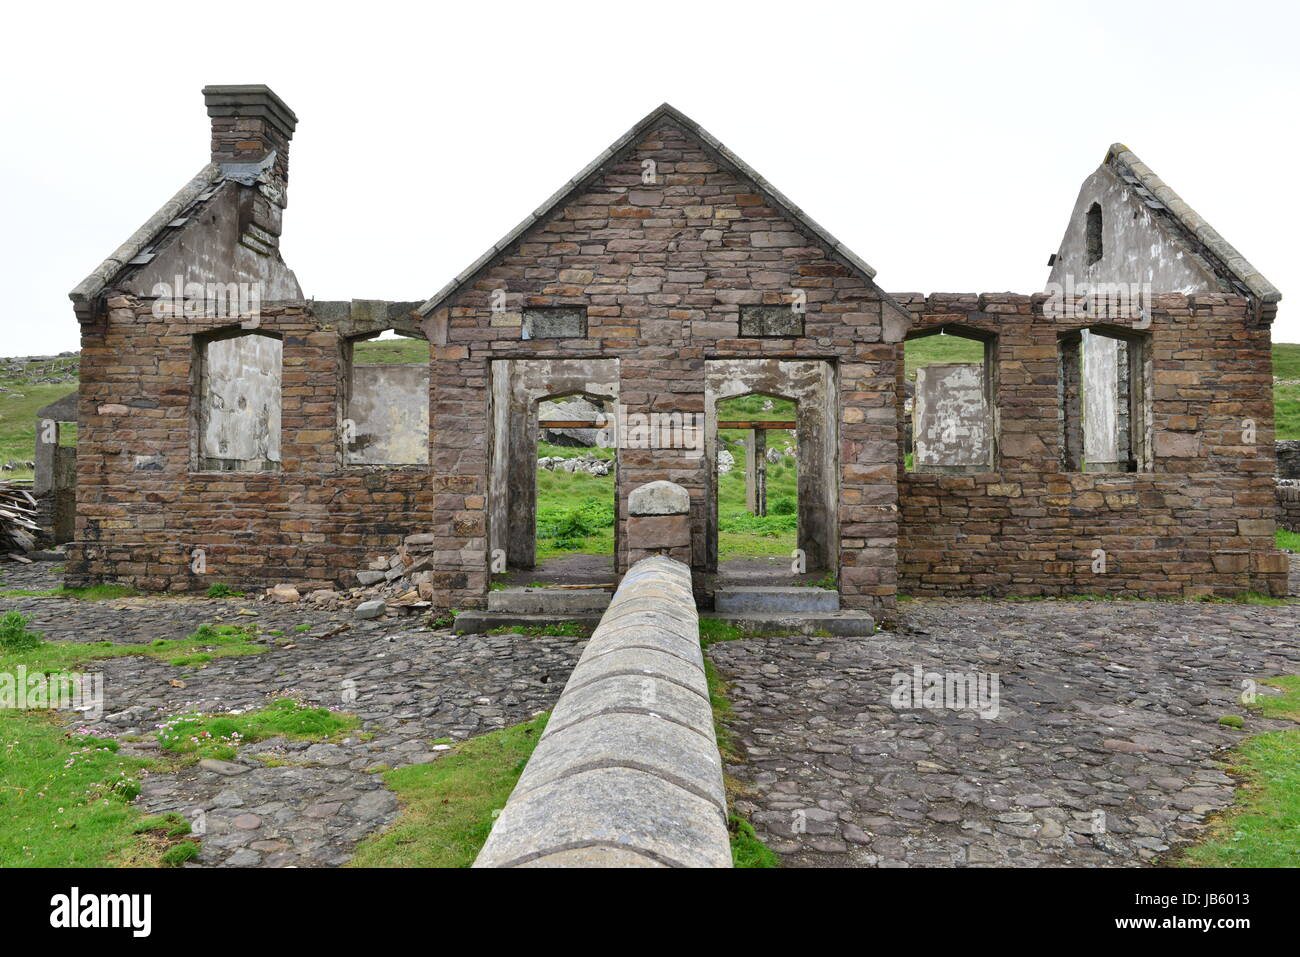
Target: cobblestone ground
(1107, 715)
(1102, 752)
(314, 801)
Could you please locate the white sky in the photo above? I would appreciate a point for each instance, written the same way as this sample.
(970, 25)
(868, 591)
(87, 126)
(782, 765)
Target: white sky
(944, 143)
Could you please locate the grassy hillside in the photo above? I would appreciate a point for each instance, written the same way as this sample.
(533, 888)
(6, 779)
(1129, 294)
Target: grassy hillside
(1286, 389)
(24, 388)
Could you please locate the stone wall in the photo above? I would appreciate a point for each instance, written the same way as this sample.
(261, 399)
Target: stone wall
(627, 772)
(1288, 506)
(663, 271)
(1201, 522)
(1288, 459)
(144, 507)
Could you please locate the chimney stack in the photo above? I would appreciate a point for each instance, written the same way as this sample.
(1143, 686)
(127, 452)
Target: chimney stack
(249, 122)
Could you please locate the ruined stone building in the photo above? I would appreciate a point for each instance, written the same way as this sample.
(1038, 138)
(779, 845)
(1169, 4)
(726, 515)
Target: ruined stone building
(221, 414)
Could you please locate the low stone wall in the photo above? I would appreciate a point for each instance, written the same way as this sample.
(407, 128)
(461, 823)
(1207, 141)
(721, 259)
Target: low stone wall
(627, 773)
(1288, 505)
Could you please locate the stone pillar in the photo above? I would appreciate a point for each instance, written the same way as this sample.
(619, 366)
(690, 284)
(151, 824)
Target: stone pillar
(659, 522)
(756, 472)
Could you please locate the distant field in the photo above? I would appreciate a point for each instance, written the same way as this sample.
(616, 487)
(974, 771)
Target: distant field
(19, 400)
(1286, 389)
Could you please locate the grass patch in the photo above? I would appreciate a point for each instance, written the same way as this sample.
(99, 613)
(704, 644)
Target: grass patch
(447, 807)
(561, 629)
(1285, 706)
(222, 590)
(220, 735)
(18, 416)
(746, 848)
(1289, 540)
(1286, 397)
(91, 593)
(1262, 829)
(201, 646)
(397, 349)
(14, 635)
(547, 450)
(64, 797)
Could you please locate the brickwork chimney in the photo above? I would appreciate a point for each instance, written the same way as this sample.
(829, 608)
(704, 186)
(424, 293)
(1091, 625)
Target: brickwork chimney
(248, 123)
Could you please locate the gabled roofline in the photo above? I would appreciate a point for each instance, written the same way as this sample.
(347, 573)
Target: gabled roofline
(1223, 255)
(623, 144)
(108, 270)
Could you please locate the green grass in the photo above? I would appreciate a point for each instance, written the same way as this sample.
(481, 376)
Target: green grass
(1285, 706)
(91, 593)
(399, 349)
(64, 797)
(1286, 398)
(930, 350)
(1289, 540)
(448, 806)
(64, 794)
(203, 645)
(746, 848)
(575, 514)
(222, 590)
(18, 405)
(561, 629)
(1262, 828)
(547, 450)
(220, 735)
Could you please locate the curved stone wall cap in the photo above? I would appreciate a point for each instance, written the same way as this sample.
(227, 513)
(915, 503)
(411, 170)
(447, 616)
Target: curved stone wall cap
(659, 498)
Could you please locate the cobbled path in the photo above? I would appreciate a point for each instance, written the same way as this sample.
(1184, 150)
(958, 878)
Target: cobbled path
(281, 803)
(1102, 753)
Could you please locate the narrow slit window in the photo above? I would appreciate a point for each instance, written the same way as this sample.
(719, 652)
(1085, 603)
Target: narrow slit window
(1094, 234)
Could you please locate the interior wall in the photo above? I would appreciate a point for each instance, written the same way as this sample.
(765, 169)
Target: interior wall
(389, 408)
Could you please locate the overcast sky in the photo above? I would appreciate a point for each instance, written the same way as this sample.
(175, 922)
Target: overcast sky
(944, 143)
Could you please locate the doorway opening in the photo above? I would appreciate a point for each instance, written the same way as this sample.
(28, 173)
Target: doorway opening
(554, 473)
(575, 487)
(773, 468)
(757, 478)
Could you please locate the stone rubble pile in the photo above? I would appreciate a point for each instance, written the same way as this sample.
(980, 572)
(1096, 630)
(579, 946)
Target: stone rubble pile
(588, 464)
(400, 583)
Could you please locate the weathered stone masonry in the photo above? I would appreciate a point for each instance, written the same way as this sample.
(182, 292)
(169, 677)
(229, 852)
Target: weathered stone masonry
(1200, 523)
(663, 272)
(658, 275)
(311, 520)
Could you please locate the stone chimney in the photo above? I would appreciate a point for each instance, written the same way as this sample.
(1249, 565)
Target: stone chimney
(249, 123)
